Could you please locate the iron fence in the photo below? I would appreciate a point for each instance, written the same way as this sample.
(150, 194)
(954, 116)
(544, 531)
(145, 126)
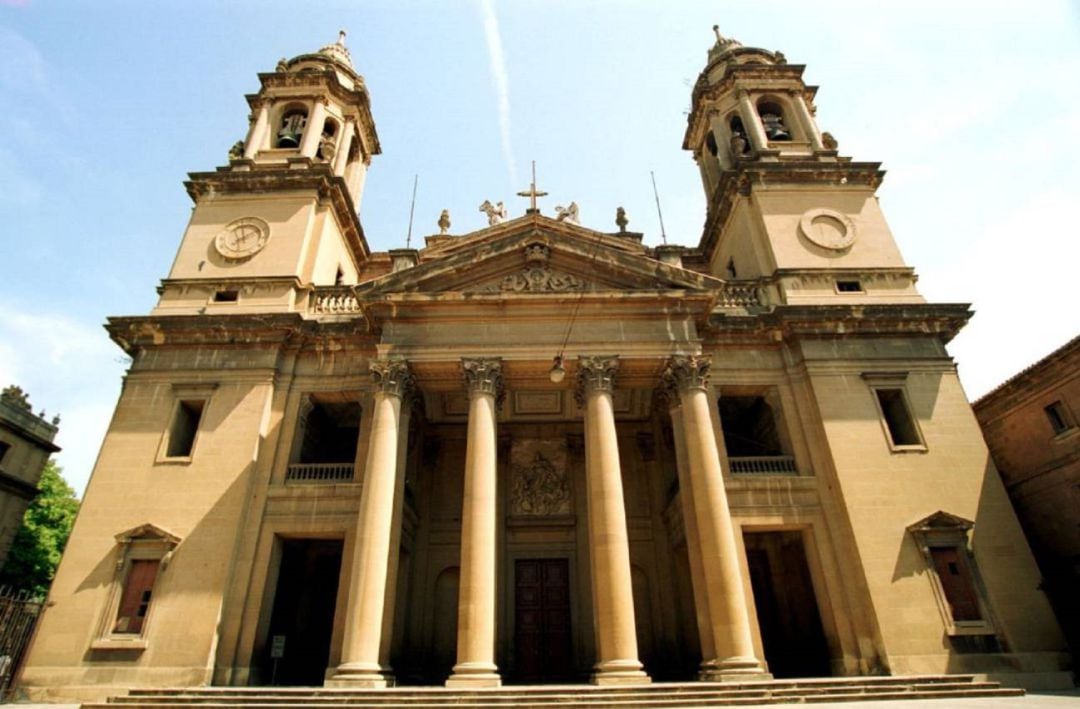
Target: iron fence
(19, 612)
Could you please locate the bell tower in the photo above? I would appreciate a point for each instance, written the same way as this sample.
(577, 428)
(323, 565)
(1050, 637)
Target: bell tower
(783, 205)
(282, 216)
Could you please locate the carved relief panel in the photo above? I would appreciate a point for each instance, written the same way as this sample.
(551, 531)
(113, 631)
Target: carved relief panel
(539, 480)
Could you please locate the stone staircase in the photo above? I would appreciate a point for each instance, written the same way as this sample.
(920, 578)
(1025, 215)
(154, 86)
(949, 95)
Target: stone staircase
(673, 694)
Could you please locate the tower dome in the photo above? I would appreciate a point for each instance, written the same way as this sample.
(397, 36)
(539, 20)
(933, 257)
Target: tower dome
(338, 51)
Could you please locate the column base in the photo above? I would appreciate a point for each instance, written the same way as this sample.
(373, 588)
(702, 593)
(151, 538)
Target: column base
(734, 669)
(360, 674)
(619, 672)
(468, 675)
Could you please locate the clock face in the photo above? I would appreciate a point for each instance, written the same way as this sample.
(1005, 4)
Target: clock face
(828, 229)
(242, 238)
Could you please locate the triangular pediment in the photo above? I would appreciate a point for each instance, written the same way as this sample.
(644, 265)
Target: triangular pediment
(536, 255)
(941, 521)
(147, 532)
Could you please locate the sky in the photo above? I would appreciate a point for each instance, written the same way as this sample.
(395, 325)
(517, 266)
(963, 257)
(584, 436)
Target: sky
(972, 107)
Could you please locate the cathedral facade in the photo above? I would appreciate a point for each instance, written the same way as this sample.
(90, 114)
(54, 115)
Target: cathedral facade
(539, 452)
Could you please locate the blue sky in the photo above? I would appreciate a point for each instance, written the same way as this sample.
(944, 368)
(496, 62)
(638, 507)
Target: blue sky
(973, 108)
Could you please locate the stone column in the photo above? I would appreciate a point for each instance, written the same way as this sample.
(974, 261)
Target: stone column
(609, 543)
(752, 122)
(309, 142)
(370, 564)
(341, 160)
(809, 125)
(476, 600)
(730, 620)
(395, 535)
(693, 538)
(258, 131)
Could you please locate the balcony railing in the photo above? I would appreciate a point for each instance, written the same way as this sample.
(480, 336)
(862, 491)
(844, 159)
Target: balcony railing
(764, 465)
(319, 472)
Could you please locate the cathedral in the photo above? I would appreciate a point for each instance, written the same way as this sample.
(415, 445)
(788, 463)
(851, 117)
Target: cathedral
(541, 452)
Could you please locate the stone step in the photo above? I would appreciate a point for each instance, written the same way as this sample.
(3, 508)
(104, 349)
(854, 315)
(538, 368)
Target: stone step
(640, 703)
(539, 690)
(658, 696)
(496, 697)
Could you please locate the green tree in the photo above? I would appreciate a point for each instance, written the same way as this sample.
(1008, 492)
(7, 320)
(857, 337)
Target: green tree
(35, 552)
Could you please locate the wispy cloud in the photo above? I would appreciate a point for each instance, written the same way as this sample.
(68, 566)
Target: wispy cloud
(68, 368)
(497, 62)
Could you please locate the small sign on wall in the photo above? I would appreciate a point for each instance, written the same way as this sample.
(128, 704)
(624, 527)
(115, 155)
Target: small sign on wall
(277, 647)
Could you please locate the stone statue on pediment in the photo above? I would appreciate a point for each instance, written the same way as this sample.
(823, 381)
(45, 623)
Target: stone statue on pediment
(496, 213)
(568, 214)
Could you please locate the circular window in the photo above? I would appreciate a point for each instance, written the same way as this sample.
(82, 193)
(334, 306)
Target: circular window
(828, 228)
(242, 238)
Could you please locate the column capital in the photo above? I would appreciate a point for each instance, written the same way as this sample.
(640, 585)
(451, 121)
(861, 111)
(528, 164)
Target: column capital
(392, 377)
(686, 372)
(595, 373)
(484, 375)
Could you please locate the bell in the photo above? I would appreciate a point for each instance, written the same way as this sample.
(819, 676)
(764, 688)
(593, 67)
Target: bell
(774, 127)
(288, 139)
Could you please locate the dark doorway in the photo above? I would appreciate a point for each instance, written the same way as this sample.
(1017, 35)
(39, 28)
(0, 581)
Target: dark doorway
(787, 609)
(542, 638)
(303, 612)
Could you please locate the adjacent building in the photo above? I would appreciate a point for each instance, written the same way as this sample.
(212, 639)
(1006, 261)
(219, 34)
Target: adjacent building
(26, 442)
(1030, 424)
(541, 451)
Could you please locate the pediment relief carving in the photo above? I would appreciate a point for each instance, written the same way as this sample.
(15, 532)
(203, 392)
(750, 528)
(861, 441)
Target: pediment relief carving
(552, 264)
(532, 279)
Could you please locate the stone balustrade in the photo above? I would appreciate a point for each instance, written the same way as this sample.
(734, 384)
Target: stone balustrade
(319, 472)
(335, 300)
(763, 465)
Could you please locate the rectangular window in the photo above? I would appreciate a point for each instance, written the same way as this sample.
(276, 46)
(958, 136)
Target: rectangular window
(135, 600)
(185, 425)
(226, 296)
(4, 448)
(849, 287)
(956, 583)
(1059, 419)
(898, 418)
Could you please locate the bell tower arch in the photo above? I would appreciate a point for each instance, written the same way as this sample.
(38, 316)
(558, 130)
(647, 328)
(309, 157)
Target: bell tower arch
(282, 215)
(783, 204)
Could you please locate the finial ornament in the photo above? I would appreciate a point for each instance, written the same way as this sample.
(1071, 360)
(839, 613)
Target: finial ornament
(621, 219)
(723, 43)
(341, 37)
(444, 222)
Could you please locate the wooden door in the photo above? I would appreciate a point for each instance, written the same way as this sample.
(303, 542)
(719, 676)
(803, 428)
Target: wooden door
(956, 583)
(542, 639)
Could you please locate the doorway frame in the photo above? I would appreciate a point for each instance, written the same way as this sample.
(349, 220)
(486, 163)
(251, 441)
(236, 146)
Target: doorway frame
(534, 551)
(821, 580)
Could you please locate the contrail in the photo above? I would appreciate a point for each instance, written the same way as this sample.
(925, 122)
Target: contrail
(500, 82)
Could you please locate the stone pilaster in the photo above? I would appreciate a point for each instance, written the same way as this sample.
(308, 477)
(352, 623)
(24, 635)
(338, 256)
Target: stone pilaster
(609, 544)
(374, 531)
(687, 376)
(476, 600)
